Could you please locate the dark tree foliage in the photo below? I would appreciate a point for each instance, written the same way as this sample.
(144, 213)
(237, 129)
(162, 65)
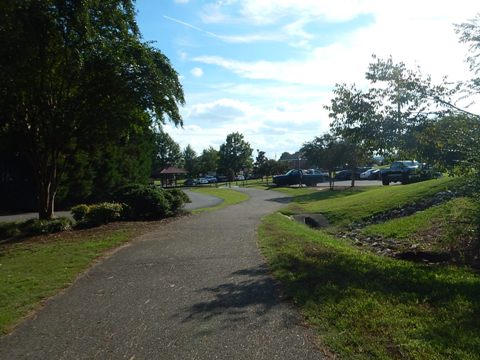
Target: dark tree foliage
(258, 166)
(327, 152)
(208, 161)
(17, 188)
(167, 152)
(75, 75)
(190, 161)
(404, 99)
(234, 155)
(354, 120)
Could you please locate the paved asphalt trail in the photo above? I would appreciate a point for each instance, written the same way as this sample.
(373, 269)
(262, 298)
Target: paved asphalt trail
(196, 288)
(201, 200)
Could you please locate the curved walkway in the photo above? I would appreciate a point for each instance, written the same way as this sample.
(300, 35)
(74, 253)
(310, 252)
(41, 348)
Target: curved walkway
(200, 201)
(196, 288)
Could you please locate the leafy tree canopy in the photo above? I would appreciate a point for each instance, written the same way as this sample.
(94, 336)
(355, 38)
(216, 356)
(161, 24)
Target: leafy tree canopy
(167, 152)
(234, 155)
(72, 74)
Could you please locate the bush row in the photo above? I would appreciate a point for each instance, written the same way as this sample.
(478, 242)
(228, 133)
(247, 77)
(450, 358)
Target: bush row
(34, 227)
(132, 202)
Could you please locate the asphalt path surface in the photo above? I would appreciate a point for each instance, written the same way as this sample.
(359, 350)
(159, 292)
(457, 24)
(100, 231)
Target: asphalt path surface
(195, 288)
(200, 200)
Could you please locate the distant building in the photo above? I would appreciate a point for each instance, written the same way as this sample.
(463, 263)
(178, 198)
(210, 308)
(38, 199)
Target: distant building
(294, 161)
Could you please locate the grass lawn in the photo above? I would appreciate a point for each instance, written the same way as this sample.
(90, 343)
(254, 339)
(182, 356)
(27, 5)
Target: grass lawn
(421, 221)
(39, 267)
(366, 306)
(229, 197)
(346, 206)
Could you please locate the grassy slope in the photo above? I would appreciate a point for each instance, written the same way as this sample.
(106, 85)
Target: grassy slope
(408, 226)
(344, 207)
(38, 268)
(370, 307)
(366, 306)
(229, 197)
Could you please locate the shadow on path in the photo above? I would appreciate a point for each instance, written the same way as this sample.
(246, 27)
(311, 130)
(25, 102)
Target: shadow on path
(248, 289)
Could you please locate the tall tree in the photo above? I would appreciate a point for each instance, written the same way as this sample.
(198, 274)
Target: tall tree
(258, 166)
(470, 34)
(405, 99)
(190, 161)
(327, 152)
(208, 160)
(354, 117)
(234, 155)
(167, 152)
(73, 73)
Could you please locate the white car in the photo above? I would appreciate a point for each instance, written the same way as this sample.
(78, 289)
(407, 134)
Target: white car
(366, 174)
(370, 174)
(202, 181)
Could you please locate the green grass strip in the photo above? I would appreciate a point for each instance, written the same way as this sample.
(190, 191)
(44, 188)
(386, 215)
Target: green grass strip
(344, 207)
(34, 270)
(366, 306)
(422, 221)
(229, 197)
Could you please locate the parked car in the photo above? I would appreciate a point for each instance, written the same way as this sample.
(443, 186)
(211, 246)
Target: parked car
(370, 174)
(296, 177)
(239, 177)
(222, 178)
(324, 175)
(202, 181)
(211, 179)
(190, 182)
(343, 175)
(347, 174)
(406, 171)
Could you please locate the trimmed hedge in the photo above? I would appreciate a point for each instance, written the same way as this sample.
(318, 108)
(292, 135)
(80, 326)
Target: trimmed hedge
(97, 214)
(133, 202)
(150, 202)
(79, 212)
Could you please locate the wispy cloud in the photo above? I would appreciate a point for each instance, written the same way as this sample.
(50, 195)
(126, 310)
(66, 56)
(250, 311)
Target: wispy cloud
(197, 72)
(249, 38)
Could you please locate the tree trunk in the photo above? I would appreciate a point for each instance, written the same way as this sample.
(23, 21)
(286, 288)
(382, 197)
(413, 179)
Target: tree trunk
(48, 184)
(46, 200)
(353, 176)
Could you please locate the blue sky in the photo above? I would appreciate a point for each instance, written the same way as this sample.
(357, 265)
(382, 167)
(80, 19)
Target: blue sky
(266, 68)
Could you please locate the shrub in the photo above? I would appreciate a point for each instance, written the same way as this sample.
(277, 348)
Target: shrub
(149, 202)
(177, 199)
(79, 212)
(38, 227)
(9, 229)
(103, 213)
(179, 193)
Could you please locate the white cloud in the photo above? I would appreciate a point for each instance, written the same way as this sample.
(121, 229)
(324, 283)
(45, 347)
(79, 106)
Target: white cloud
(197, 72)
(270, 11)
(279, 104)
(220, 110)
(271, 126)
(417, 33)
